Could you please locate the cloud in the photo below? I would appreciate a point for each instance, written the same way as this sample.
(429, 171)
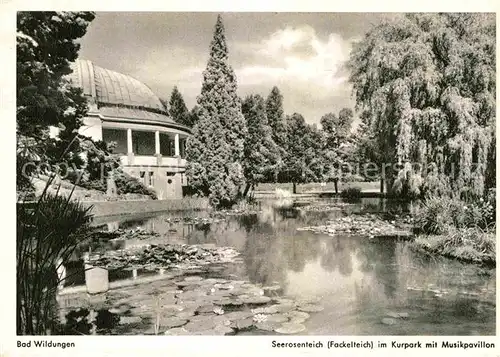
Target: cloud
(307, 69)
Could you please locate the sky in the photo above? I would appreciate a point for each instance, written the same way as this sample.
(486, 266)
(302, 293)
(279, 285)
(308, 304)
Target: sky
(301, 53)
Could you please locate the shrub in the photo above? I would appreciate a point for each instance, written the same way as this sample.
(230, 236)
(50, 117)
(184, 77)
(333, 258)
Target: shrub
(48, 232)
(125, 183)
(351, 194)
(129, 184)
(437, 214)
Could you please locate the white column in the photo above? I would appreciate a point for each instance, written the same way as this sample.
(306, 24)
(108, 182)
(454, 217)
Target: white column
(157, 142)
(177, 151)
(129, 141)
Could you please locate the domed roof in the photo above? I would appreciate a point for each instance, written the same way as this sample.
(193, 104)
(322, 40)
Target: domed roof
(109, 87)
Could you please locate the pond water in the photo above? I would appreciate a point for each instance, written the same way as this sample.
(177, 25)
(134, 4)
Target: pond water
(360, 282)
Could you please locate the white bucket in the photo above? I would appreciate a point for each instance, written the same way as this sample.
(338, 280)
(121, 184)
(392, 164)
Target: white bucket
(96, 279)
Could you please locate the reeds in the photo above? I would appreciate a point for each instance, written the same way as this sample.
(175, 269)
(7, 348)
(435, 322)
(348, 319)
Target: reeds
(48, 232)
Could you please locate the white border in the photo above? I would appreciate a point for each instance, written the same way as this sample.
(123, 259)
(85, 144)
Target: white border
(177, 346)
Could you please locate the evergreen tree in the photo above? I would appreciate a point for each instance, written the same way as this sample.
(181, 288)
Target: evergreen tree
(178, 109)
(428, 83)
(194, 115)
(215, 150)
(276, 119)
(261, 153)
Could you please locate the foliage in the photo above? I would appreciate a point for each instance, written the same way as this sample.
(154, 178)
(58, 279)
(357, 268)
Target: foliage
(351, 194)
(427, 84)
(46, 43)
(336, 133)
(440, 214)
(468, 244)
(47, 234)
(262, 156)
(276, 119)
(215, 150)
(178, 109)
(303, 151)
(129, 184)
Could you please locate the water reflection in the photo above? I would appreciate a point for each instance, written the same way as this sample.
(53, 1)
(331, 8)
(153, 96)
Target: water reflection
(358, 279)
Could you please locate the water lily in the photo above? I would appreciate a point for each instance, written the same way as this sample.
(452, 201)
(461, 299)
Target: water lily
(219, 311)
(260, 318)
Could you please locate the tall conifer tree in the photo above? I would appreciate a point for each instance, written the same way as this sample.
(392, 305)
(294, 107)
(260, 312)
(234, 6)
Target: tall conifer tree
(215, 150)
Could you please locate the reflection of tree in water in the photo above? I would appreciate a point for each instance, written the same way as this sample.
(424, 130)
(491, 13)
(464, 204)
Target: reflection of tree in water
(380, 257)
(337, 255)
(264, 258)
(300, 249)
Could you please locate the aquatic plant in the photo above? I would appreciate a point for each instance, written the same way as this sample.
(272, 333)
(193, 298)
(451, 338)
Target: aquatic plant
(48, 232)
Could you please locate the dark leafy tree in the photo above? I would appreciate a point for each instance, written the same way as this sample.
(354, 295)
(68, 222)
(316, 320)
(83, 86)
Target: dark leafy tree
(178, 109)
(262, 156)
(215, 150)
(428, 82)
(46, 43)
(303, 161)
(336, 135)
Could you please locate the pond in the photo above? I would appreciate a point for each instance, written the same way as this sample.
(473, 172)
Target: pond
(366, 287)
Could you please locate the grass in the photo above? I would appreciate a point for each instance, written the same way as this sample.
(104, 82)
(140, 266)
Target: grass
(316, 187)
(466, 244)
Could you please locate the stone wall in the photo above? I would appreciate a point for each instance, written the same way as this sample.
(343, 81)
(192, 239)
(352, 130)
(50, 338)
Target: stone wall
(118, 208)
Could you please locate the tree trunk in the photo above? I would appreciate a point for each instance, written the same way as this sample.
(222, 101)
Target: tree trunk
(294, 188)
(382, 185)
(247, 188)
(336, 182)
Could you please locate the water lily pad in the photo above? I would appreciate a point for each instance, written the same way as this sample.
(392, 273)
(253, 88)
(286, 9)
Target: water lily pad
(185, 314)
(228, 302)
(172, 322)
(272, 290)
(238, 315)
(290, 328)
(200, 325)
(222, 330)
(257, 300)
(310, 308)
(177, 331)
(283, 301)
(279, 318)
(282, 308)
(242, 324)
(266, 310)
(267, 326)
(388, 321)
(205, 309)
(297, 314)
(125, 320)
(397, 315)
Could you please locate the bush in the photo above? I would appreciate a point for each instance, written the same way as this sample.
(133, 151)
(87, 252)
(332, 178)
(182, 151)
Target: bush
(125, 183)
(468, 244)
(48, 232)
(437, 215)
(351, 194)
(129, 184)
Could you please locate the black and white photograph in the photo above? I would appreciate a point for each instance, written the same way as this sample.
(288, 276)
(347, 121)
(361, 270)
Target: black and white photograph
(255, 174)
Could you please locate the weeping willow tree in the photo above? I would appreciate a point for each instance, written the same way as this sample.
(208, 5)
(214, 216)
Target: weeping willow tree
(426, 83)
